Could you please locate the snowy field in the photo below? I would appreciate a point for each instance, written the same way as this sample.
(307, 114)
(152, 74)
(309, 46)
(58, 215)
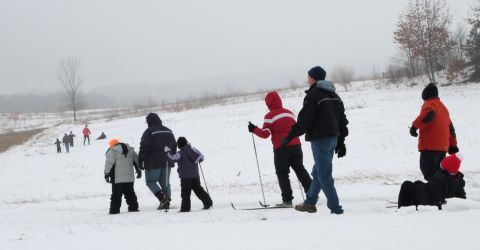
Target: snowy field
(50, 201)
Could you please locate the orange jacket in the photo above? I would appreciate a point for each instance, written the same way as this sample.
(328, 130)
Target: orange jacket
(436, 130)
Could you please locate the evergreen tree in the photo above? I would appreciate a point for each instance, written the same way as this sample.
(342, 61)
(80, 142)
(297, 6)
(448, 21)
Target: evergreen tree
(473, 43)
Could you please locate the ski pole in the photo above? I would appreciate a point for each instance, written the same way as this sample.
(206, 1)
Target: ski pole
(203, 176)
(259, 175)
(166, 184)
(301, 190)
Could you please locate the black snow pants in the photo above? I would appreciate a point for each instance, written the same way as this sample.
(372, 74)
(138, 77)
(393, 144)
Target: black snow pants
(430, 162)
(284, 158)
(189, 184)
(120, 189)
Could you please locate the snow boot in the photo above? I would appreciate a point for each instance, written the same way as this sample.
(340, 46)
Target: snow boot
(302, 207)
(164, 202)
(114, 212)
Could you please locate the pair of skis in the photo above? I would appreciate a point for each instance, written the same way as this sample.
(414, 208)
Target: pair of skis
(262, 207)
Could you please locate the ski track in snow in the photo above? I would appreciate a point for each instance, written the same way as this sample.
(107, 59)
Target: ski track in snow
(61, 201)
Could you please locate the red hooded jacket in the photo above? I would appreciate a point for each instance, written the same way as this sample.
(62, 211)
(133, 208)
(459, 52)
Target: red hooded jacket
(278, 122)
(437, 134)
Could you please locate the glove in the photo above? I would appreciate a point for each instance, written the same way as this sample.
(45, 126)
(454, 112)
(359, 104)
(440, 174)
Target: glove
(166, 149)
(141, 166)
(139, 174)
(341, 149)
(284, 142)
(452, 150)
(413, 131)
(251, 127)
(107, 178)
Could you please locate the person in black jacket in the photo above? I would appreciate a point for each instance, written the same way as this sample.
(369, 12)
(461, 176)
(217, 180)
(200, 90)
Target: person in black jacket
(154, 160)
(323, 120)
(446, 183)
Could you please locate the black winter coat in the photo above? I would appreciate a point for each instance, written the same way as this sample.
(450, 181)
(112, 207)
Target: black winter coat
(152, 145)
(442, 186)
(322, 114)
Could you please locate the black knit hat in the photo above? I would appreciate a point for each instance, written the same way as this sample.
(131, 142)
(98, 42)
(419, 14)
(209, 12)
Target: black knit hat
(181, 142)
(430, 91)
(317, 73)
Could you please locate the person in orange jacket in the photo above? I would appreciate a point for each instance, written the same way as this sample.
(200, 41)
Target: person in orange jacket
(437, 134)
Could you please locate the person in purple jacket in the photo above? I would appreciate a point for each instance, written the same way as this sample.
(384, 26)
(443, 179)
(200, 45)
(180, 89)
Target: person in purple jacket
(187, 159)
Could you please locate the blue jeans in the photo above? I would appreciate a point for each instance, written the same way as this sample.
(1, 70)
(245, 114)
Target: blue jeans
(67, 147)
(323, 151)
(160, 175)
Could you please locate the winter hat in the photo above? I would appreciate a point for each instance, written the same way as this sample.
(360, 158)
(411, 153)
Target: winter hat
(452, 163)
(181, 142)
(317, 73)
(113, 142)
(153, 119)
(429, 92)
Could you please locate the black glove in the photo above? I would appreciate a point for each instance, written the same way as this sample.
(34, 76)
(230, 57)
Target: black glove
(107, 178)
(139, 174)
(452, 150)
(413, 131)
(251, 127)
(341, 149)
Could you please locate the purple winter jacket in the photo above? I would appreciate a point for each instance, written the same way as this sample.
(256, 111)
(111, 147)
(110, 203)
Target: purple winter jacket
(187, 159)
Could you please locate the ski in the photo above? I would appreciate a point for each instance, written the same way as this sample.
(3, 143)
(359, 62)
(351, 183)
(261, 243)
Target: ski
(392, 206)
(263, 205)
(392, 202)
(259, 208)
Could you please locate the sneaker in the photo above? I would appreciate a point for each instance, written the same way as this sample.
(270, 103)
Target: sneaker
(284, 204)
(302, 207)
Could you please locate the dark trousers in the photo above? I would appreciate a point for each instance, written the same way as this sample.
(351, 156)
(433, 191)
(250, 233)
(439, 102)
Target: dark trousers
(86, 137)
(193, 184)
(291, 156)
(59, 149)
(120, 189)
(430, 162)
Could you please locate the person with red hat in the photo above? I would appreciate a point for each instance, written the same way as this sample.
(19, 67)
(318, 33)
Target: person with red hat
(278, 122)
(447, 182)
(120, 161)
(437, 134)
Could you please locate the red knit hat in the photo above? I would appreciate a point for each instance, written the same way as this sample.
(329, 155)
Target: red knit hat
(452, 163)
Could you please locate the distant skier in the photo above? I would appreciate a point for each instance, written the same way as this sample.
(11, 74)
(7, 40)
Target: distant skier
(437, 134)
(120, 161)
(86, 134)
(102, 137)
(59, 148)
(323, 120)
(66, 142)
(278, 123)
(71, 135)
(188, 159)
(154, 160)
(447, 182)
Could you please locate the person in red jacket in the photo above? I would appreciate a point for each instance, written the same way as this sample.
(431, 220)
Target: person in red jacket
(86, 134)
(437, 134)
(277, 124)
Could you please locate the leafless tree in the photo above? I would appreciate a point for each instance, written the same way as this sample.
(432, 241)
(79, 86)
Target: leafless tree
(68, 74)
(423, 32)
(343, 75)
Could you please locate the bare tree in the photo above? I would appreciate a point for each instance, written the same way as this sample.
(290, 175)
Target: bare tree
(343, 75)
(423, 32)
(68, 74)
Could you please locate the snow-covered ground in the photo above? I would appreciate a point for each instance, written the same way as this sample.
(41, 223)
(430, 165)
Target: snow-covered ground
(50, 201)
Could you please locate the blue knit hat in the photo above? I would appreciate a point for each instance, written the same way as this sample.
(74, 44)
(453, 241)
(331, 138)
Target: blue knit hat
(317, 73)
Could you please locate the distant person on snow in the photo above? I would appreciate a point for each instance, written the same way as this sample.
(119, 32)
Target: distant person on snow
(66, 142)
(154, 160)
(102, 137)
(120, 161)
(447, 182)
(59, 148)
(188, 159)
(278, 123)
(86, 134)
(437, 134)
(323, 120)
(71, 135)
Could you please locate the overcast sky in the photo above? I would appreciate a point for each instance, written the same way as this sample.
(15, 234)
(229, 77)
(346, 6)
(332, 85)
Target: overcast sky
(155, 42)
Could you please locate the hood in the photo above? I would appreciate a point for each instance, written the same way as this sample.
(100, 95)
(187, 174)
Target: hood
(122, 148)
(153, 120)
(326, 85)
(273, 100)
(430, 92)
